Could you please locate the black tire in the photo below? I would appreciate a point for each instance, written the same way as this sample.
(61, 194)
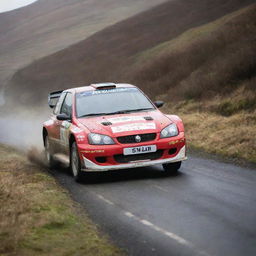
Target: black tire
(75, 163)
(51, 163)
(172, 168)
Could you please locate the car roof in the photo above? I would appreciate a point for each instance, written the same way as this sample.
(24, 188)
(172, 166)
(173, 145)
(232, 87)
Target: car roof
(93, 87)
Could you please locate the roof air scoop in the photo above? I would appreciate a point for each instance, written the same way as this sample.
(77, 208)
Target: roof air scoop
(104, 86)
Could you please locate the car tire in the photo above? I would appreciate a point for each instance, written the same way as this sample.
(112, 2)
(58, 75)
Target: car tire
(172, 168)
(75, 163)
(51, 163)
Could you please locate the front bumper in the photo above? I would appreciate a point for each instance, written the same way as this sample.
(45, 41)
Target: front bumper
(92, 167)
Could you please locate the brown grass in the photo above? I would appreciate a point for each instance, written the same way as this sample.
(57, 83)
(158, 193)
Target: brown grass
(37, 216)
(231, 136)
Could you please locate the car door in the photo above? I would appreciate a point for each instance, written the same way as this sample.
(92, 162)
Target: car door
(66, 109)
(55, 131)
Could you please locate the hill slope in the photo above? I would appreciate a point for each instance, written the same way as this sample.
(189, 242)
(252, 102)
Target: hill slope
(212, 59)
(107, 55)
(45, 27)
(206, 74)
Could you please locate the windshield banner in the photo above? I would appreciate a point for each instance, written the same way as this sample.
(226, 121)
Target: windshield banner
(108, 91)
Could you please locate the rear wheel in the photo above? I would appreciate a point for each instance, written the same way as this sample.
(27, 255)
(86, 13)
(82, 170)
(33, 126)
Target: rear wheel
(172, 168)
(48, 154)
(75, 163)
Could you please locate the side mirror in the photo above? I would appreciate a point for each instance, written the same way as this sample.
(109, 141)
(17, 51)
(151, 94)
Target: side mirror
(159, 103)
(52, 102)
(52, 105)
(63, 117)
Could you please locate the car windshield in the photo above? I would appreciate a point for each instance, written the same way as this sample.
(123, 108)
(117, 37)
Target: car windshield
(111, 101)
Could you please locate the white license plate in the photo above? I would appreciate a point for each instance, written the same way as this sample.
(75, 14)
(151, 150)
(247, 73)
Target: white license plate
(140, 150)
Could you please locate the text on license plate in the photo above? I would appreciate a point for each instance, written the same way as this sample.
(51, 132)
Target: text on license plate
(140, 150)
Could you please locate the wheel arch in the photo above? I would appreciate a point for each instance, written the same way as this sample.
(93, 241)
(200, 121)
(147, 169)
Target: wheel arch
(71, 140)
(45, 134)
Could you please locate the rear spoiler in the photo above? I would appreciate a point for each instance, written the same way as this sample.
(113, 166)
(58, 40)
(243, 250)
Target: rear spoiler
(53, 98)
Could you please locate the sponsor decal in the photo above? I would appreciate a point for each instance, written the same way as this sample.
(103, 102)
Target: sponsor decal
(92, 151)
(64, 132)
(124, 119)
(66, 124)
(134, 127)
(107, 91)
(64, 135)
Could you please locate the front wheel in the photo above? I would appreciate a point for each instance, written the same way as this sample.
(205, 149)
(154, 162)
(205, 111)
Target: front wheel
(51, 163)
(172, 168)
(75, 163)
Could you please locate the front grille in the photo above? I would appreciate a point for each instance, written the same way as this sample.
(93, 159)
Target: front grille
(131, 138)
(148, 156)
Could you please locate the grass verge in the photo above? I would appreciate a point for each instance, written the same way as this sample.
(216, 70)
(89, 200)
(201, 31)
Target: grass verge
(229, 133)
(37, 216)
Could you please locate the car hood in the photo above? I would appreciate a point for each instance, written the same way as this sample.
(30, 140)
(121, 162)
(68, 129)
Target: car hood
(127, 124)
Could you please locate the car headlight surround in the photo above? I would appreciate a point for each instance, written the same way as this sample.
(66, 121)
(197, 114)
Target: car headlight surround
(100, 139)
(169, 131)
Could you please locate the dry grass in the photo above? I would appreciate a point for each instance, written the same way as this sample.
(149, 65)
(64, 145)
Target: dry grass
(231, 136)
(37, 217)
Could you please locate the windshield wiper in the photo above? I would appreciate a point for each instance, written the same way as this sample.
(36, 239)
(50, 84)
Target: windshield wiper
(93, 114)
(104, 114)
(129, 111)
(139, 109)
(116, 112)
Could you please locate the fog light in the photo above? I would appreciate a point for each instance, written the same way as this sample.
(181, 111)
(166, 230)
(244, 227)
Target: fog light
(101, 159)
(172, 151)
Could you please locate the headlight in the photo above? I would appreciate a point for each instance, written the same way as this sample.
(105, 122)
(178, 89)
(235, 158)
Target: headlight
(169, 131)
(99, 139)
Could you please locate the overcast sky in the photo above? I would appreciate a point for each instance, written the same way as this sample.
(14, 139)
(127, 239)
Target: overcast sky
(8, 5)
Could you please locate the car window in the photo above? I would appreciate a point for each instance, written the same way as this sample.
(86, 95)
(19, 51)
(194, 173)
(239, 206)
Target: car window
(111, 100)
(67, 105)
(59, 103)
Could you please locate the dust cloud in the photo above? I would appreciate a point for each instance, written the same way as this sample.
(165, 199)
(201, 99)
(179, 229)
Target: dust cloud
(22, 128)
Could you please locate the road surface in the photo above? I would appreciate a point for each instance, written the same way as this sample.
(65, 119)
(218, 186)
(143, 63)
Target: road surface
(208, 209)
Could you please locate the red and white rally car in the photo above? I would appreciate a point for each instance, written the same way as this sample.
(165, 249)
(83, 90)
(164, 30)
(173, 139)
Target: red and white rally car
(110, 126)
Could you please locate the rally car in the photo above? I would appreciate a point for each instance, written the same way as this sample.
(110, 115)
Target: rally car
(110, 126)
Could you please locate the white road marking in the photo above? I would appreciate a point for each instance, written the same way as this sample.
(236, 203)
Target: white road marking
(160, 188)
(105, 199)
(129, 214)
(149, 224)
(169, 234)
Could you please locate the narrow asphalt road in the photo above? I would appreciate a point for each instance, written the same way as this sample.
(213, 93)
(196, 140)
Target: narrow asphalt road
(208, 209)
